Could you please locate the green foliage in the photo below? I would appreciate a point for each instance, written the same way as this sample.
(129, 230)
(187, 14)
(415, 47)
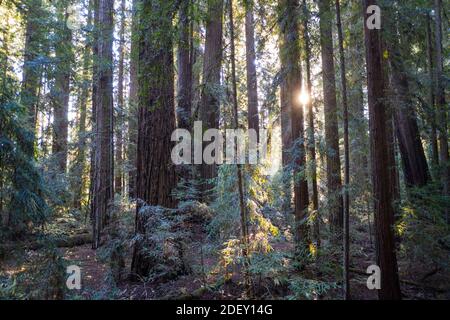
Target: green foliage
(423, 227)
(22, 189)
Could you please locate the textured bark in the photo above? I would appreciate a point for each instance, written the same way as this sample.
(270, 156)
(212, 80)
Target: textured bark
(119, 146)
(212, 61)
(441, 105)
(293, 85)
(346, 230)
(61, 91)
(184, 68)
(156, 175)
(103, 190)
(335, 202)
(384, 214)
(133, 101)
(252, 83)
(432, 99)
(311, 131)
(29, 95)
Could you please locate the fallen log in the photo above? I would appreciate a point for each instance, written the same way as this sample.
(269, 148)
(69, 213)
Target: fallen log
(66, 242)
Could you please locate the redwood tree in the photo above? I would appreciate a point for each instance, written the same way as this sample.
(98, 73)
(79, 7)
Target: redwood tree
(156, 176)
(381, 179)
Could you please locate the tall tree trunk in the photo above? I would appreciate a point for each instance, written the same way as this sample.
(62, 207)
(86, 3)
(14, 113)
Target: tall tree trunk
(118, 184)
(209, 105)
(252, 83)
(293, 81)
(413, 156)
(335, 202)
(346, 154)
(61, 90)
(29, 94)
(80, 159)
(156, 175)
(384, 213)
(242, 202)
(103, 189)
(432, 99)
(133, 101)
(184, 68)
(441, 105)
(311, 131)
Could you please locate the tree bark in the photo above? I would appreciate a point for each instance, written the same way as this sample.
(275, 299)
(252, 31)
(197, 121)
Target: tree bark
(61, 91)
(335, 201)
(80, 159)
(441, 105)
(346, 155)
(103, 190)
(252, 82)
(212, 61)
(184, 68)
(156, 176)
(293, 85)
(384, 214)
(311, 131)
(133, 101)
(118, 184)
(29, 95)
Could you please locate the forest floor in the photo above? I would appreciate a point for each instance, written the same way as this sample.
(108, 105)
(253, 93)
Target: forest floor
(417, 281)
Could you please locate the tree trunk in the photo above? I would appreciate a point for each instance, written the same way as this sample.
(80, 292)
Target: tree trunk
(61, 91)
(384, 214)
(252, 83)
(413, 156)
(346, 155)
(118, 184)
(29, 94)
(311, 131)
(441, 103)
(293, 85)
(210, 102)
(335, 202)
(133, 101)
(103, 190)
(432, 99)
(242, 202)
(156, 175)
(80, 160)
(184, 68)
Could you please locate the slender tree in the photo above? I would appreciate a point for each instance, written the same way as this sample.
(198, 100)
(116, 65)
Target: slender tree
(119, 145)
(311, 131)
(440, 102)
(384, 214)
(335, 203)
(133, 101)
(212, 61)
(252, 83)
(79, 164)
(346, 153)
(242, 201)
